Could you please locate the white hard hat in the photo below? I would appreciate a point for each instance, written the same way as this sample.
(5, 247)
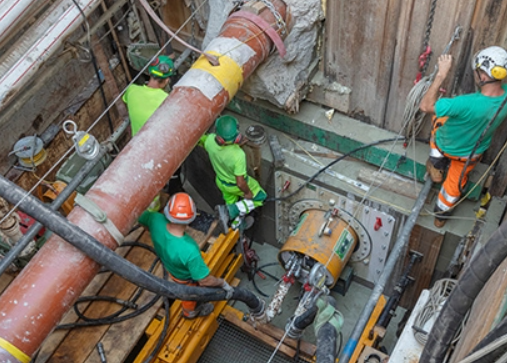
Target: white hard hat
(493, 61)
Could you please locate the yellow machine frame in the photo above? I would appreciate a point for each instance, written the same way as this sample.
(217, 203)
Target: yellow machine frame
(187, 339)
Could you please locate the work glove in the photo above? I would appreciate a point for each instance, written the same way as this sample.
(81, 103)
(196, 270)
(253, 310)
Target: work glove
(229, 290)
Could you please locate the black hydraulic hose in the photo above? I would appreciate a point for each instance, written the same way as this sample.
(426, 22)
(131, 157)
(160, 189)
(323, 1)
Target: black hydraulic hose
(320, 171)
(462, 175)
(473, 279)
(305, 319)
(326, 340)
(55, 205)
(326, 344)
(115, 263)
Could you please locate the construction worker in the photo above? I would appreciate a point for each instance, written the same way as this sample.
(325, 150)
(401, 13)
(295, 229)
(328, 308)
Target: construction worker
(179, 253)
(143, 101)
(241, 193)
(460, 122)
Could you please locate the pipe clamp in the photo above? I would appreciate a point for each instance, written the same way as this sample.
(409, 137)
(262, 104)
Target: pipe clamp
(100, 216)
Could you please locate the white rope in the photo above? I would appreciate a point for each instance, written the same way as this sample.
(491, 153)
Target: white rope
(438, 296)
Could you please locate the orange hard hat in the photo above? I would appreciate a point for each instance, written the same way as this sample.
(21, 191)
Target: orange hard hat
(180, 209)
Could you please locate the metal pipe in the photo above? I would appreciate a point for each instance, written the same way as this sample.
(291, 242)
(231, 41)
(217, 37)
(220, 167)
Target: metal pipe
(115, 263)
(395, 254)
(11, 13)
(37, 299)
(53, 32)
(55, 205)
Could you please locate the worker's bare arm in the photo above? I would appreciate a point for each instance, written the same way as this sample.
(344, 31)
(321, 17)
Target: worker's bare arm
(243, 186)
(211, 281)
(431, 96)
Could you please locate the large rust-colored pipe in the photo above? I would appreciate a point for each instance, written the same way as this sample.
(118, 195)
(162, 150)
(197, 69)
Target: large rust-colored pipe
(46, 288)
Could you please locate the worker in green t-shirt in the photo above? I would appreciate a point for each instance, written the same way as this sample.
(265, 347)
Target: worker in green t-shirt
(241, 192)
(463, 126)
(143, 101)
(179, 253)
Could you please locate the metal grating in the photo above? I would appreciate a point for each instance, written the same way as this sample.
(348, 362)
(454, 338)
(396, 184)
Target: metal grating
(232, 345)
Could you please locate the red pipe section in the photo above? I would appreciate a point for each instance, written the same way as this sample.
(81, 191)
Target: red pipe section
(48, 286)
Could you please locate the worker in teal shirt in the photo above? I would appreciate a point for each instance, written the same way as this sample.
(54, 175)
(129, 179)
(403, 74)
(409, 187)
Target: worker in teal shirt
(461, 127)
(241, 193)
(179, 253)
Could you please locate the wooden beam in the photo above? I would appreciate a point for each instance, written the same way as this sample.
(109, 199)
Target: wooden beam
(232, 318)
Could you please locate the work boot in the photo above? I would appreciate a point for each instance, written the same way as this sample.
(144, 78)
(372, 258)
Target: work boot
(200, 310)
(223, 216)
(439, 223)
(436, 175)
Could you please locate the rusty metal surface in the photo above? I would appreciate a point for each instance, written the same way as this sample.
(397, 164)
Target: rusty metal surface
(43, 292)
(332, 250)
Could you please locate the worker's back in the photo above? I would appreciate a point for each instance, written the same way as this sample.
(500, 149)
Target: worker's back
(142, 102)
(228, 161)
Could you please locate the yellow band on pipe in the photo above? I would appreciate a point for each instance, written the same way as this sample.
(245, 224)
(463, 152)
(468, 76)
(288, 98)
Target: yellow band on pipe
(15, 352)
(228, 73)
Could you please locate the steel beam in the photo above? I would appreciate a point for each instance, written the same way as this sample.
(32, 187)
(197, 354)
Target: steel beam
(46, 288)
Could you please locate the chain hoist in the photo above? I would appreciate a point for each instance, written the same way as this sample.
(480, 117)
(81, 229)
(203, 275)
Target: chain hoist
(425, 56)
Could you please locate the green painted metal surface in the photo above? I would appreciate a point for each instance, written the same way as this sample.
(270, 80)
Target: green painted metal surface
(375, 155)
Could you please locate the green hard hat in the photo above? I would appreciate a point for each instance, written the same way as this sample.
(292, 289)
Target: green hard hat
(161, 67)
(227, 128)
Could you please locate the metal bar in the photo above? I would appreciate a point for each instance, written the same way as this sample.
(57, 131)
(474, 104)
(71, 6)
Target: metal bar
(47, 287)
(396, 253)
(55, 205)
(49, 41)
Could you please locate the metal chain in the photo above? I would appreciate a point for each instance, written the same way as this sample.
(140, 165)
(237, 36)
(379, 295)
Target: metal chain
(426, 41)
(279, 20)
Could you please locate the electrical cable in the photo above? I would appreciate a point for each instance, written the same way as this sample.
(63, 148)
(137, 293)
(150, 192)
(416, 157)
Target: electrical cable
(320, 171)
(125, 305)
(95, 66)
(260, 269)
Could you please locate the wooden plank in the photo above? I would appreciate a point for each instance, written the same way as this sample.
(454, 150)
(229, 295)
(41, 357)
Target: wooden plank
(359, 51)
(5, 280)
(116, 350)
(306, 348)
(247, 328)
(411, 28)
(80, 343)
(428, 243)
(52, 342)
(491, 29)
(486, 312)
(390, 182)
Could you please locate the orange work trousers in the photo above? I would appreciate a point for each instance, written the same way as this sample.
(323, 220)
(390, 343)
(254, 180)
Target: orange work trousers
(450, 190)
(186, 306)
